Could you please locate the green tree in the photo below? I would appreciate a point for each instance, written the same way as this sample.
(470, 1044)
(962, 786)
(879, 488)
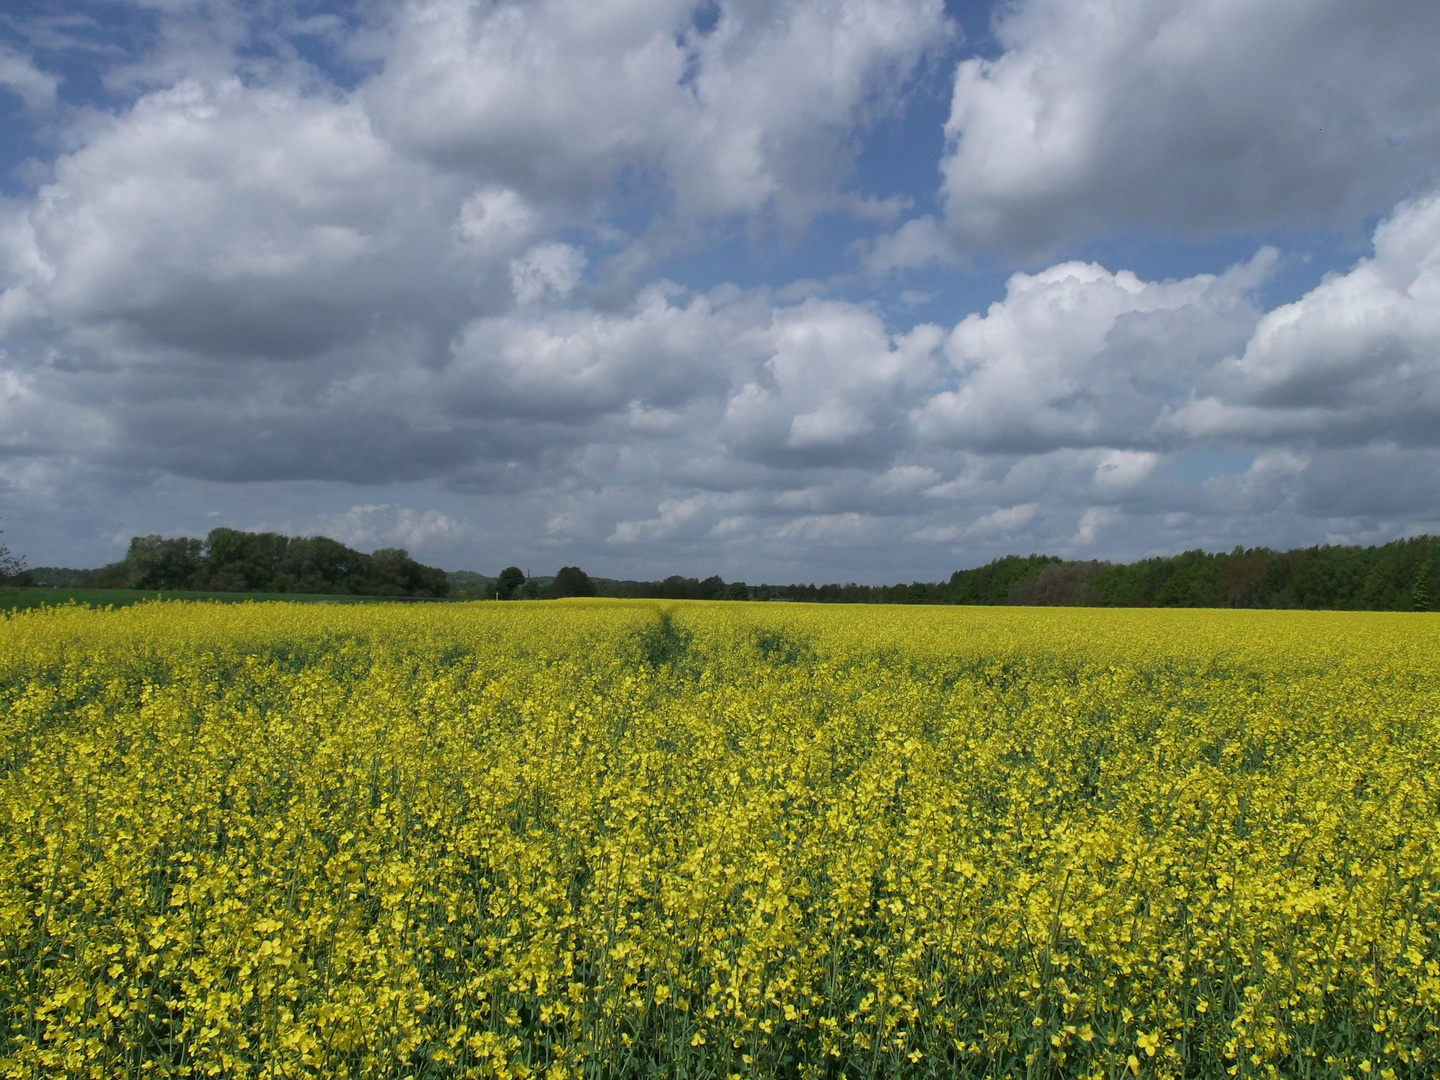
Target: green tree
(572, 581)
(991, 583)
(392, 572)
(1064, 584)
(737, 590)
(318, 564)
(155, 562)
(1192, 581)
(677, 587)
(510, 579)
(12, 567)
(1420, 592)
(229, 560)
(238, 561)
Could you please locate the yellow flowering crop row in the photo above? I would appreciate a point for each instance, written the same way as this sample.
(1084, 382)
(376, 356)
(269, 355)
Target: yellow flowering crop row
(610, 839)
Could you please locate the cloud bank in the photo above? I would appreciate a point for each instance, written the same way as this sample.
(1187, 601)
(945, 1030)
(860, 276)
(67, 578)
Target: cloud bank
(1190, 116)
(419, 285)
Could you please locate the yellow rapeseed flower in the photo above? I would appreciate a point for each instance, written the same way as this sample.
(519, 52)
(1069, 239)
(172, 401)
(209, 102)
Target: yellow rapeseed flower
(624, 839)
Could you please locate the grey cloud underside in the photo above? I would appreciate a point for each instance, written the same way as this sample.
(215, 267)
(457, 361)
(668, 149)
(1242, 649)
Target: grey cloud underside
(434, 283)
(1191, 116)
(1377, 481)
(358, 447)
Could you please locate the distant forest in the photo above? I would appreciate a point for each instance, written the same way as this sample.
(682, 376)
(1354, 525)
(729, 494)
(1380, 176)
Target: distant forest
(1399, 576)
(229, 560)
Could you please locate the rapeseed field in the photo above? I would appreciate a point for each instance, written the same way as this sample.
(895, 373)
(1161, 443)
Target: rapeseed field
(619, 840)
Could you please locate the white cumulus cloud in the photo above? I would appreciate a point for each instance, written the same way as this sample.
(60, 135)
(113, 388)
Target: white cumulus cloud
(746, 107)
(1079, 356)
(1355, 359)
(1190, 116)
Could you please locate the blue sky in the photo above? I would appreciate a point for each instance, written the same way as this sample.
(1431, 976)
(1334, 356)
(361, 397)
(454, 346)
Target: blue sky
(778, 289)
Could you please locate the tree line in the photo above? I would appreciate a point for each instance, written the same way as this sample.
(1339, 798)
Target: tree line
(1403, 575)
(229, 560)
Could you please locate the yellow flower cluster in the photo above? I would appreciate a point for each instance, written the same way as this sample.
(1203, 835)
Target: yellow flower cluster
(609, 839)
